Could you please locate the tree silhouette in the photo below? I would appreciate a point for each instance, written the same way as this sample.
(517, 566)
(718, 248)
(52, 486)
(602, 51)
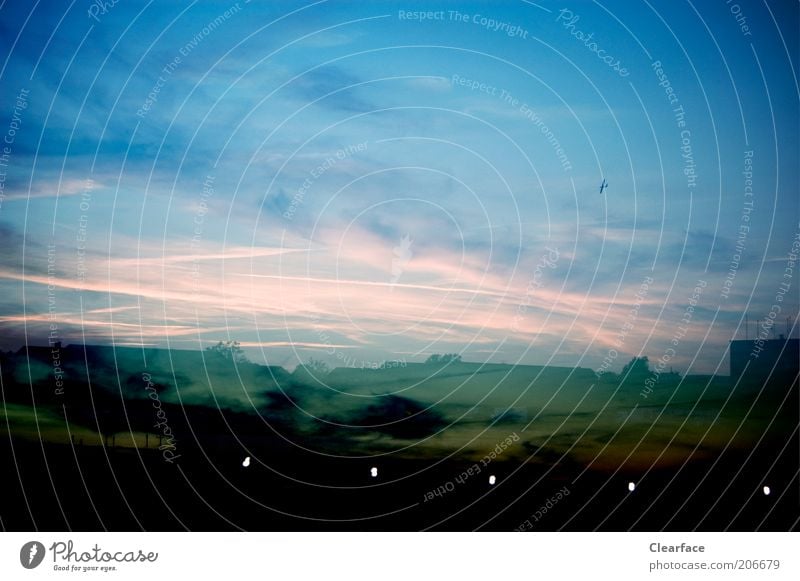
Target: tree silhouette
(229, 350)
(437, 359)
(317, 367)
(636, 367)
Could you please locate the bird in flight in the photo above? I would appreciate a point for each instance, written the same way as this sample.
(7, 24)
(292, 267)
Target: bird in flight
(603, 186)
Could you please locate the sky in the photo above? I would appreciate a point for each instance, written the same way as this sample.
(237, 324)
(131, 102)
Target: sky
(353, 183)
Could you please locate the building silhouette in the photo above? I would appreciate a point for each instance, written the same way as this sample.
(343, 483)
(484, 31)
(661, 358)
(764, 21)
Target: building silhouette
(765, 363)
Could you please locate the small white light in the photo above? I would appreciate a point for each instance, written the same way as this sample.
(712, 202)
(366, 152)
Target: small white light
(246, 462)
(766, 491)
(374, 472)
(631, 486)
(492, 479)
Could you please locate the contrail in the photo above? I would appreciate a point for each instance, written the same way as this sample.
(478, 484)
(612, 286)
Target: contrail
(375, 283)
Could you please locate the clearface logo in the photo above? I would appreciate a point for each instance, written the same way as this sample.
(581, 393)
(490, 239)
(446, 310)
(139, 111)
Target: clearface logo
(31, 554)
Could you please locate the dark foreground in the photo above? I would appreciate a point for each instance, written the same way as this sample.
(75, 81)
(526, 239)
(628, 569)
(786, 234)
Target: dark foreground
(700, 453)
(87, 489)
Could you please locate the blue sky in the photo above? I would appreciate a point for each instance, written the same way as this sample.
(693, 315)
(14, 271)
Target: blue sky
(364, 202)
